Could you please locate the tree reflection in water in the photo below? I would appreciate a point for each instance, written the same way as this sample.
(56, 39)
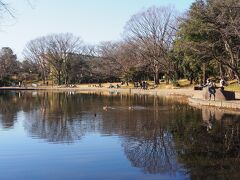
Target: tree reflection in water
(57, 130)
(7, 110)
(159, 135)
(56, 117)
(147, 138)
(62, 117)
(210, 147)
(153, 155)
(11, 103)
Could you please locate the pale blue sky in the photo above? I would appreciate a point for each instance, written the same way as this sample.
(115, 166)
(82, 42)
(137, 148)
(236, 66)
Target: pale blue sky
(93, 20)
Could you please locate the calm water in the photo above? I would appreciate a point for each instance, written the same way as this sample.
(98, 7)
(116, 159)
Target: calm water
(46, 135)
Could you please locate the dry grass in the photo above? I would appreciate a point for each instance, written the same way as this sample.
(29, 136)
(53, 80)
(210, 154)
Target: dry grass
(162, 85)
(184, 83)
(233, 87)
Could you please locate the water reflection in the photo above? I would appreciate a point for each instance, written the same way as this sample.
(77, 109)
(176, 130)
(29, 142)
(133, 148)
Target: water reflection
(209, 147)
(62, 117)
(158, 135)
(8, 110)
(154, 155)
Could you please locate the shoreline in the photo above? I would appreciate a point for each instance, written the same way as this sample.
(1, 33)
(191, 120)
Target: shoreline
(158, 92)
(193, 96)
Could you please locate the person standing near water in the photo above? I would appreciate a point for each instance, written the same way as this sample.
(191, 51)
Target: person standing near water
(211, 90)
(222, 84)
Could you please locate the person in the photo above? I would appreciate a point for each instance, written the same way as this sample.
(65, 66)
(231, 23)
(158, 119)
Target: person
(208, 117)
(222, 84)
(135, 84)
(143, 85)
(211, 90)
(146, 85)
(208, 81)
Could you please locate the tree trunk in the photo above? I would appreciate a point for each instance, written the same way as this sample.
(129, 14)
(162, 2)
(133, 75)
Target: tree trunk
(156, 78)
(231, 73)
(66, 80)
(167, 78)
(237, 75)
(168, 81)
(204, 73)
(59, 77)
(191, 79)
(44, 79)
(221, 71)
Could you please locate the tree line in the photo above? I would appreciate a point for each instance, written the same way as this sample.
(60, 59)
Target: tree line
(157, 43)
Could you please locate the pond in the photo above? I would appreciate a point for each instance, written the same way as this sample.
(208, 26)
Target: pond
(70, 135)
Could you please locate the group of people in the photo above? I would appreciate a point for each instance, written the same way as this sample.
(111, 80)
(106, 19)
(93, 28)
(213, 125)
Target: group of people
(141, 84)
(212, 87)
(112, 86)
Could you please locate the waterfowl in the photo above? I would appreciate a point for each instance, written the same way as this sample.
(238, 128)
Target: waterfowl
(105, 108)
(130, 108)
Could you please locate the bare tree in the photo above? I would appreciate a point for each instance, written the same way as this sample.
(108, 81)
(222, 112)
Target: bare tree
(59, 49)
(121, 57)
(8, 60)
(4, 8)
(54, 51)
(152, 33)
(35, 51)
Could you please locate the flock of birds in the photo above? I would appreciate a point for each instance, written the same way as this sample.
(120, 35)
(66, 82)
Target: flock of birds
(105, 108)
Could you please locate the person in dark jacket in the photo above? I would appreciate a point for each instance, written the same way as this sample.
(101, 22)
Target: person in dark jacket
(211, 90)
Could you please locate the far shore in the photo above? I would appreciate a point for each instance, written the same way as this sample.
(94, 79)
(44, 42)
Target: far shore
(187, 92)
(194, 97)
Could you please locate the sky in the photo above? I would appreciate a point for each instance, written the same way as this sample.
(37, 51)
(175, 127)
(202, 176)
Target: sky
(92, 20)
